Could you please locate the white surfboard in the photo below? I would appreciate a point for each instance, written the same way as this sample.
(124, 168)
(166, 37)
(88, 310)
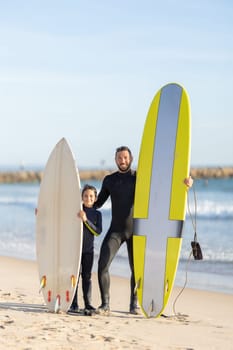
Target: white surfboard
(58, 228)
(160, 197)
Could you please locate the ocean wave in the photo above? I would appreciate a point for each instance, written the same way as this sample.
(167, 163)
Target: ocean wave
(20, 200)
(208, 209)
(24, 202)
(212, 267)
(19, 248)
(211, 256)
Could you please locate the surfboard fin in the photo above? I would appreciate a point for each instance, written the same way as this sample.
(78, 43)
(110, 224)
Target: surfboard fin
(137, 285)
(42, 283)
(151, 307)
(57, 304)
(167, 286)
(49, 296)
(73, 281)
(67, 296)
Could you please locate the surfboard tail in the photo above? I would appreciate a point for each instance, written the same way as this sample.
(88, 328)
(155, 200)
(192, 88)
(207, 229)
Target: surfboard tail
(172, 259)
(139, 244)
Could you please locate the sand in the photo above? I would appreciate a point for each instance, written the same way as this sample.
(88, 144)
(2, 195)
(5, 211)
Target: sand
(203, 319)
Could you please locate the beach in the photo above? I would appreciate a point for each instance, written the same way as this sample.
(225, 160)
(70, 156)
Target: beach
(203, 319)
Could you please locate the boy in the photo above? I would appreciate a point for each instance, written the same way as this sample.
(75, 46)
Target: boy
(92, 226)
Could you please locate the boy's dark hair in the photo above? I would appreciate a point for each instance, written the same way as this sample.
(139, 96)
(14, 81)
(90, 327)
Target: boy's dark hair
(89, 187)
(123, 148)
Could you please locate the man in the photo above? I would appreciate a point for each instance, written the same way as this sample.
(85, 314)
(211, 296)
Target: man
(120, 186)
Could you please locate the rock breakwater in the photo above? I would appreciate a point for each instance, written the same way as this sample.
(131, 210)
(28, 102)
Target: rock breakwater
(211, 172)
(85, 175)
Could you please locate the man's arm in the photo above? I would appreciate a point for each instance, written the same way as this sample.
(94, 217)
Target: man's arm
(103, 195)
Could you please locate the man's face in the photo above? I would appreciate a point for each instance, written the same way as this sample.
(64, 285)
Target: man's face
(123, 161)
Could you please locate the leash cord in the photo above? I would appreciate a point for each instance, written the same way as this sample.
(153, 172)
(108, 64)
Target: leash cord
(194, 224)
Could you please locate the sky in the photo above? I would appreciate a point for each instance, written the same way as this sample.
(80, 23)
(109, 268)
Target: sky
(88, 71)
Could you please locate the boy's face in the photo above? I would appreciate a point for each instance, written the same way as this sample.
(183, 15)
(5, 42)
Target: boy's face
(89, 198)
(123, 161)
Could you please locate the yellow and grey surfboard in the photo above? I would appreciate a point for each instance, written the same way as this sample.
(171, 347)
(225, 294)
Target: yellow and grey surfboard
(160, 197)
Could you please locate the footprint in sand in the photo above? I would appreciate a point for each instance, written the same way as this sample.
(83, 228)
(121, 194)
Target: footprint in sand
(101, 337)
(8, 320)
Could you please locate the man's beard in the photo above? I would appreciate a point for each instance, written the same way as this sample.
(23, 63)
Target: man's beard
(125, 169)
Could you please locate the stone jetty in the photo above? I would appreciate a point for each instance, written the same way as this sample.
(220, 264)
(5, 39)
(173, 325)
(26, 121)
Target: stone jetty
(36, 176)
(85, 175)
(211, 172)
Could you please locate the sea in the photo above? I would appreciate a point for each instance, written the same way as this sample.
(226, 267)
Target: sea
(209, 215)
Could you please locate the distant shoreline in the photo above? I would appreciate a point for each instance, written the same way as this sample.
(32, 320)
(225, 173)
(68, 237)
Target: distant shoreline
(24, 176)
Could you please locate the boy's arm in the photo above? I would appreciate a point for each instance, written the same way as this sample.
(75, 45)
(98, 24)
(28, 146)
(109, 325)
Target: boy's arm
(95, 229)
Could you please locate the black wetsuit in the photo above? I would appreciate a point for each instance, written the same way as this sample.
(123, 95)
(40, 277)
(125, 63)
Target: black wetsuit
(120, 187)
(92, 227)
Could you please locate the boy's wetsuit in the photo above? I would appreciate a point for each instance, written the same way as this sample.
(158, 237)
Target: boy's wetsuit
(92, 227)
(120, 187)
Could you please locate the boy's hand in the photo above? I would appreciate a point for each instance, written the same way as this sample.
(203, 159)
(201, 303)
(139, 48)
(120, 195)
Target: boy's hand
(82, 215)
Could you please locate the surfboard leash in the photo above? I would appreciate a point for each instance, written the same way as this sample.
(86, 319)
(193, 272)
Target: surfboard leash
(196, 248)
(195, 251)
(182, 289)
